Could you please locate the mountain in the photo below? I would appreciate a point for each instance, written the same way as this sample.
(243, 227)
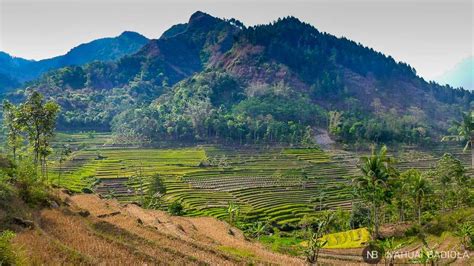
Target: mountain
(11, 70)
(7, 83)
(215, 78)
(104, 49)
(461, 75)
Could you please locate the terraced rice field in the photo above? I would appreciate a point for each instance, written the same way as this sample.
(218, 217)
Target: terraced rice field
(277, 184)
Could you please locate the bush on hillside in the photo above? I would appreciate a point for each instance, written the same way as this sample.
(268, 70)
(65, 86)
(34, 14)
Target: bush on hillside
(449, 221)
(6, 190)
(8, 255)
(31, 189)
(176, 208)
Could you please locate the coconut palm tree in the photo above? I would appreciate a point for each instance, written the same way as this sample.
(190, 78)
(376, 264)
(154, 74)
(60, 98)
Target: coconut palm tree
(464, 132)
(418, 188)
(373, 183)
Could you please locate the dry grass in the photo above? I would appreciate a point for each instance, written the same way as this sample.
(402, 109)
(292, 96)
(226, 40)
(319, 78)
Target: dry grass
(134, 237)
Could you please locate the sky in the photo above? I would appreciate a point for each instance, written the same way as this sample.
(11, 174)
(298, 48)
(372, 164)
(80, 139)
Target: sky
(430, 35)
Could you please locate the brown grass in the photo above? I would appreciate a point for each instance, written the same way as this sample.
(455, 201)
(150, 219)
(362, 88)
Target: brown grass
(133, 237)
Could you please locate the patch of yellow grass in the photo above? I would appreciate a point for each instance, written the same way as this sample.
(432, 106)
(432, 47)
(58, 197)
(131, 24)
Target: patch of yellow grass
(347, 239)
(239, 252)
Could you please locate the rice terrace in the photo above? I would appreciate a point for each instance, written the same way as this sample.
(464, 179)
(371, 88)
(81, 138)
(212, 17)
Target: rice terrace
(277, 184)
(236, 133)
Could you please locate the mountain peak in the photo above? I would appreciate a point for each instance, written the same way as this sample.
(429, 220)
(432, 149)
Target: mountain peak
(132, 35)
(201, 19)
(198, 14)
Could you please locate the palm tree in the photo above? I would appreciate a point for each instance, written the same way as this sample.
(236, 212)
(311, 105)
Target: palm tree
(464, 132)
(418, 188)
(372, 185)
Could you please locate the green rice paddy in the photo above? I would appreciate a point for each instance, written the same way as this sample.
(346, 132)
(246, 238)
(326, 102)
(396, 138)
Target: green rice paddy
(277, 184)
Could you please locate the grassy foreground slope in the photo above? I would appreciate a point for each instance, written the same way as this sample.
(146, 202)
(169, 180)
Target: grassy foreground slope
(87, 230)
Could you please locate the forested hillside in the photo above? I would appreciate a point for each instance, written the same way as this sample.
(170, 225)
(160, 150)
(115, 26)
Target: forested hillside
(217, 79)
(19, 70)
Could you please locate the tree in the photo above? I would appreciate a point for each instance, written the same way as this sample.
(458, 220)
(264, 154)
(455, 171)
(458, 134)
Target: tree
(315, 242)
(452, 177)
(373, 186)
(308, 138)
(199, 112)
(320, 198)
(304, 179)
(38, 118)
(335, 121)
(63, 153)
(400, 195)
(419, 187)
(139, 178)
(11, 115)
(465, 132)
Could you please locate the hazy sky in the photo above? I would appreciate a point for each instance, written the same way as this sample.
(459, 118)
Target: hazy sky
(432, 36)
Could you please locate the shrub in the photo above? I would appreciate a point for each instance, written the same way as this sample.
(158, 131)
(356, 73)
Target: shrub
(466, 233)
(414, 230)
(427, 217)
(8, 255)
(449, 221)
(308, 222)
(340, 222)
(176, 208)
(6, 191)
(360, 216)
(30, 189)
(36, 195)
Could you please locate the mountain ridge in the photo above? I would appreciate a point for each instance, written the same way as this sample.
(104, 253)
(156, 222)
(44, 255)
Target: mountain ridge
(288, 61)
(104, 49)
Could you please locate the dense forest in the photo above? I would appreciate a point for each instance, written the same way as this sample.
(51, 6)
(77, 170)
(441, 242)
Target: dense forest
(217, 79)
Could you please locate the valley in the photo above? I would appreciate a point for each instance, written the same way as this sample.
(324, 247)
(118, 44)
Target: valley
(122, 225)
(219, 143)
